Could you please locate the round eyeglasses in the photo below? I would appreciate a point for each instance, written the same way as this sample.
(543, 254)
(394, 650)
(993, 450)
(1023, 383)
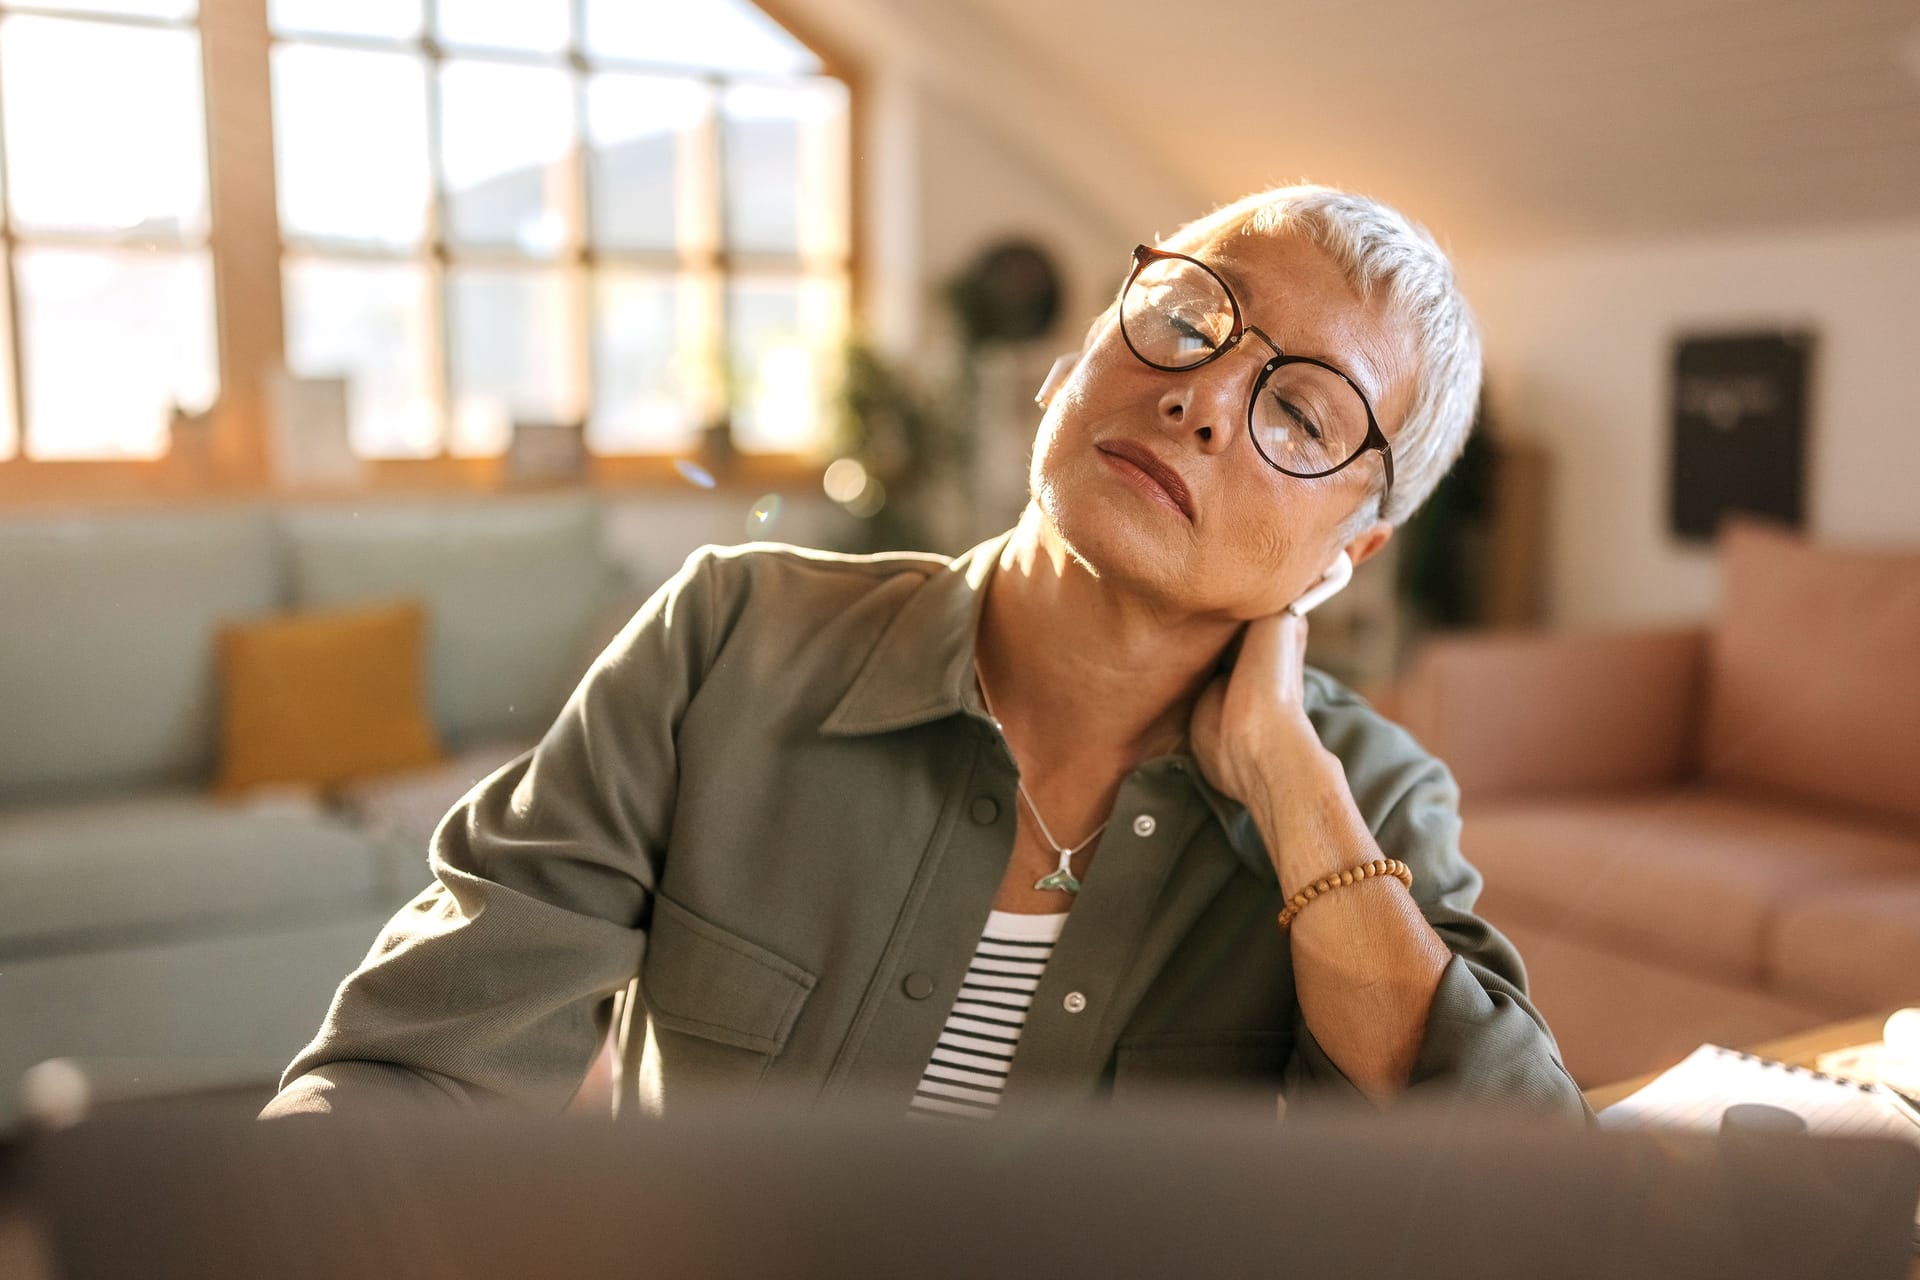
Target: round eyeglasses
(1305, 417)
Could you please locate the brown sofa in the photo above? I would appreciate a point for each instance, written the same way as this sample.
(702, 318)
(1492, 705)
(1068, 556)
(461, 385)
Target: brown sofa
(1703, 833)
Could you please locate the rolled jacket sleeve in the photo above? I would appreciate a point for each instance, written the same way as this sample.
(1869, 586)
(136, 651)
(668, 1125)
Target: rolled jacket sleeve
(1484, 1044)
(495, 984)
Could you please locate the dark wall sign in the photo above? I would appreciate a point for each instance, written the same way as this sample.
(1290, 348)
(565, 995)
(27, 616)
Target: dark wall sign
(1739, 429)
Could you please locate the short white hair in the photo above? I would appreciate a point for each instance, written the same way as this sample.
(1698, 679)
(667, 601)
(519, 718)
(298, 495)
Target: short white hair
(1377, 247)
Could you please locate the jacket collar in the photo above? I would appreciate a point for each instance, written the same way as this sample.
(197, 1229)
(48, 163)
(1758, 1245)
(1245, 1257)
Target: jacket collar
(921, 670)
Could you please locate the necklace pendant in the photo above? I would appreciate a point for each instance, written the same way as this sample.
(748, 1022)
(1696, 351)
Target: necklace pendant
(1062, 880)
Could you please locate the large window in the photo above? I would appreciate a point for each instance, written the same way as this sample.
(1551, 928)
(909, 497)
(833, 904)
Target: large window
(107, 315)
(628, 213)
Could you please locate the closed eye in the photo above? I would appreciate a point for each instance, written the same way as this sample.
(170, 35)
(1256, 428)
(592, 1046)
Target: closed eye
(1298, 414)
(1190, 337)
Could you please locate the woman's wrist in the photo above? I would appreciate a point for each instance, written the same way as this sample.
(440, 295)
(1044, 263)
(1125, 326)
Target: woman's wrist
(1307, 817)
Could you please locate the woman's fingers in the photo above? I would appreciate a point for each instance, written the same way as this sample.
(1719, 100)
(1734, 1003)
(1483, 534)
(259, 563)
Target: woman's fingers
(1274, 656)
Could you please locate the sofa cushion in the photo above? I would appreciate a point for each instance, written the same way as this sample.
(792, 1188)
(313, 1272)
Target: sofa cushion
(1858, 944)
(1616, 1015)
(107, 630)
(1496, 705)
(154, 1017)
(164, 865)
(512, 587)
(1694, 876)
(1811, 686)
(324, 696)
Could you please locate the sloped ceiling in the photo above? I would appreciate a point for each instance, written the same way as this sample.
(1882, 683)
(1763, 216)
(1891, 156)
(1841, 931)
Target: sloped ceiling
(1503, 123)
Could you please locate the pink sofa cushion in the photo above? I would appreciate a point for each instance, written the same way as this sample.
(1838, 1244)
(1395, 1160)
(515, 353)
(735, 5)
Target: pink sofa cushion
(1693, 876)
(1496, 706)
(1856, 943)
(1812, 685)
(1615, 1015)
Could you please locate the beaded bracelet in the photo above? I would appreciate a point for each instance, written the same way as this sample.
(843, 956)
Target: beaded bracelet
(1325, 884)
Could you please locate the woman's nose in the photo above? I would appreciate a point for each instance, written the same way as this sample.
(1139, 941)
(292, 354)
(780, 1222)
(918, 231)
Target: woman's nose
(1208, 404)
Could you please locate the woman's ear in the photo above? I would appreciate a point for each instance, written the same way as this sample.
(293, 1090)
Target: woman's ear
(1371, 539)
(1062, 369)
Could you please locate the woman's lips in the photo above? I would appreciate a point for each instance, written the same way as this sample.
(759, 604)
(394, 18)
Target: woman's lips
(1138, 466)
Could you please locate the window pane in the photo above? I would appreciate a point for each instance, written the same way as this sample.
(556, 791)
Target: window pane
(110, 340)
(642, 133)
(652, 361)
(135, 8)
(371, 322)
(785, 166)
(538, 26)
(507, 136)
(728, 35)
(515, 338)
(104, 130)
(390, 19)
(350, 142)
(783, 343)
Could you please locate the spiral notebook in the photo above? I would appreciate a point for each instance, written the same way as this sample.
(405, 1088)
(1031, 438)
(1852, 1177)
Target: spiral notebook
(1710, 1079)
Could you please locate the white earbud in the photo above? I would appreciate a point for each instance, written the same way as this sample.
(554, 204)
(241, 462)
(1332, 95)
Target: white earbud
(1338, 574)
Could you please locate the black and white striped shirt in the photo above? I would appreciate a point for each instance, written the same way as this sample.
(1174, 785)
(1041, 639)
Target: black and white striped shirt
(968, 1069)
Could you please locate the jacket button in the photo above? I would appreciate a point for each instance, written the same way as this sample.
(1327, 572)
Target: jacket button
(985, 809)
(918, 985)
(1143, 825)
(1074, 1002)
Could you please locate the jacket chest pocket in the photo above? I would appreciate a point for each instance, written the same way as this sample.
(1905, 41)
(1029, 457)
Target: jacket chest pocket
(719, 1007)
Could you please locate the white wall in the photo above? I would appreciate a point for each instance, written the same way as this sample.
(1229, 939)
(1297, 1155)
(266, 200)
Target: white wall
(1579, 346)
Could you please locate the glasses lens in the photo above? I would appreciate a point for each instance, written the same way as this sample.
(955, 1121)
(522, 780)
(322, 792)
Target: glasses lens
(1175, 314)
(1307, 420)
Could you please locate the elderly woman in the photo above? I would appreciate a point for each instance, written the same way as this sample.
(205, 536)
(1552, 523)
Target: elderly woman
(1066, 818)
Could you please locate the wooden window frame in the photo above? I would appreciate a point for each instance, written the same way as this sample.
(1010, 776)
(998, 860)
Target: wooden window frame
(245, 245)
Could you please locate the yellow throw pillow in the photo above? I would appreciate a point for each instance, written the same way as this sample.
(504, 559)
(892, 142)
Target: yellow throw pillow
(324, 697)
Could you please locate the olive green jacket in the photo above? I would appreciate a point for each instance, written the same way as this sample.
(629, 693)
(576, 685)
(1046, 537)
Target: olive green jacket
(763, 838)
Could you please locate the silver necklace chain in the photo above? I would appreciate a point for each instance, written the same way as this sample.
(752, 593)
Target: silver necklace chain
(1062, 878)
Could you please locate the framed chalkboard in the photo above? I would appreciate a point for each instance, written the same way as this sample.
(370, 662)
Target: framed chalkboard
(1739, 429)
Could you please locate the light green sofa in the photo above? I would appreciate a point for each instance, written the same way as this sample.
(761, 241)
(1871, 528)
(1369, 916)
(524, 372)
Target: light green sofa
(156, 936)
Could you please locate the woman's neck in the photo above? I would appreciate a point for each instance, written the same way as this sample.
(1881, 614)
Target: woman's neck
(1081, 670)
